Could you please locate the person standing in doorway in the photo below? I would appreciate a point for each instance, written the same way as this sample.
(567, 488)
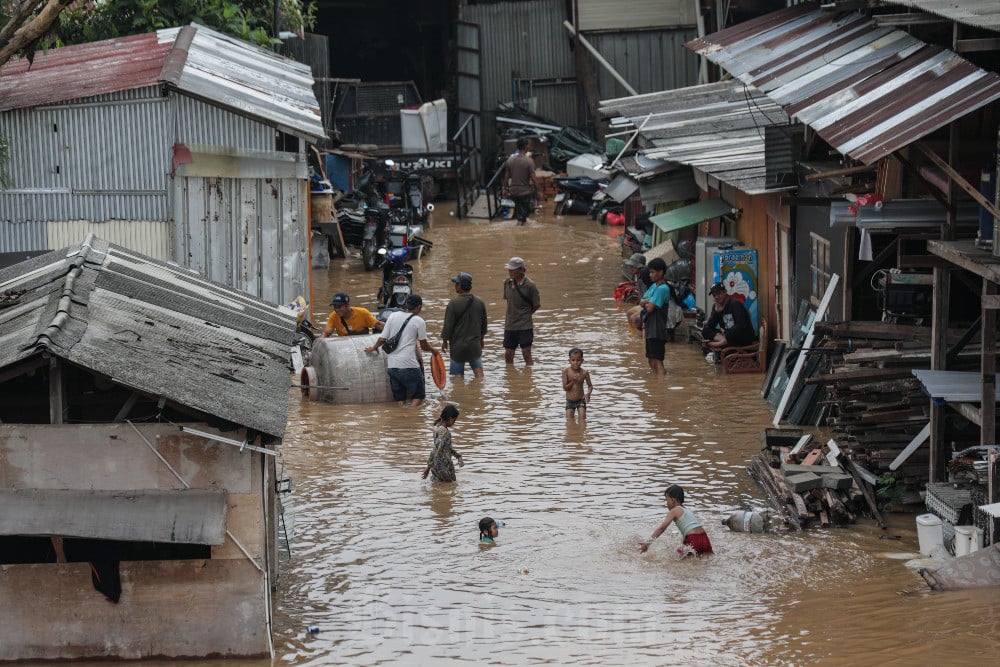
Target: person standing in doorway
(521, 181)
(406, 373)
(464, 328)
(523, 300)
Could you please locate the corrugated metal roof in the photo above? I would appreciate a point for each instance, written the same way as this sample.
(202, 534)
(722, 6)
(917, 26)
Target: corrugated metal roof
(153, 327)
(693, 214)
(868, 91)
(978, 13)
(82, 70)
(200, 62)
(717, 128)
(952, 386)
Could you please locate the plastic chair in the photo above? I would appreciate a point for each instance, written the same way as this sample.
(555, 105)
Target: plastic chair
(746, 358)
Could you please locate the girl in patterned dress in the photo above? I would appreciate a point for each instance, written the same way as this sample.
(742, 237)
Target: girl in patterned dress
(439, 462)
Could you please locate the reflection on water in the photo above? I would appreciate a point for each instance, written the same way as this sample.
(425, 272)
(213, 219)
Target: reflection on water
(388, 566)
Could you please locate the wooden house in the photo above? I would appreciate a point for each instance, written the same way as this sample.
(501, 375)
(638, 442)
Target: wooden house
(142, 407)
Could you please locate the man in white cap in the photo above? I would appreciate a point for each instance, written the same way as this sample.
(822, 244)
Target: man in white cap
(464, 328)
(522, 299)
(405, 366)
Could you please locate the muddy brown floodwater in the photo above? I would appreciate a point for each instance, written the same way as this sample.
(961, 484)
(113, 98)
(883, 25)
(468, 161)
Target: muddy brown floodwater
(389, 568)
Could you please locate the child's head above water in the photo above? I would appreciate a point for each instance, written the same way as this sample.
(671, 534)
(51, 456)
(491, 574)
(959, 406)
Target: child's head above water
(675, 492)
(448, 412)
(488, 529)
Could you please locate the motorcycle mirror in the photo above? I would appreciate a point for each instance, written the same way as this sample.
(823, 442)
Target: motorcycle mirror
(430, 208)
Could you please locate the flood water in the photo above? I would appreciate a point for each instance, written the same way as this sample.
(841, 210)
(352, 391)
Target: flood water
(389, 568)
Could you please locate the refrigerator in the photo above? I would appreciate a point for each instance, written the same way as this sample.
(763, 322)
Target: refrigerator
(703, 249)
(736, 268)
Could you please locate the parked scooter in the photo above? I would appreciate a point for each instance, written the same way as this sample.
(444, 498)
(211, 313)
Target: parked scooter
(397, 277)
(404, 195)
(576, 195)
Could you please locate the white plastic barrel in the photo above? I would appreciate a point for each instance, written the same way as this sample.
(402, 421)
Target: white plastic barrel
(977, 539)
(342, 372)
(930, 534)
(963, 540)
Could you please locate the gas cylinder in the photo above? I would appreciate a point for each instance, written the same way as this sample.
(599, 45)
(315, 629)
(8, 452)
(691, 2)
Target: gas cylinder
(750, 521)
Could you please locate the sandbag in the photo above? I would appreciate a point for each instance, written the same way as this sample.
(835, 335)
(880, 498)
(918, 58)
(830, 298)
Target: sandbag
(975, 570)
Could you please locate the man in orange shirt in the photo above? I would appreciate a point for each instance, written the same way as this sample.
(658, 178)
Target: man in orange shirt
(346, 320)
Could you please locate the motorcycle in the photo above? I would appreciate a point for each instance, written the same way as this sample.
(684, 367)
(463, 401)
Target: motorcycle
(576, 195)
(364, 219)
(397, 277)
(404, 194)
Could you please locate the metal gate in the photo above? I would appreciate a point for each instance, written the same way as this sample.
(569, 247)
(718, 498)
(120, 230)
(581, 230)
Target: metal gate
(467, 141)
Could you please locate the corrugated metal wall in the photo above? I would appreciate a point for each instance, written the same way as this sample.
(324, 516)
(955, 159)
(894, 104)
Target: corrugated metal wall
(650, 60)
(526, 41)
(604, 15)
(523, 40)
(103, 166)
(99, 159)
(265, 250)
(200, 123)
(150, 237)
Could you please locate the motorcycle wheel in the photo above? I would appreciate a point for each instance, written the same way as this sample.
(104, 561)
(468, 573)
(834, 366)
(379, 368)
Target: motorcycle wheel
(368, 254)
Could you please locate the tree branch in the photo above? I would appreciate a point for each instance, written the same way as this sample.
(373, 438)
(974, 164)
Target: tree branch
(30, 32)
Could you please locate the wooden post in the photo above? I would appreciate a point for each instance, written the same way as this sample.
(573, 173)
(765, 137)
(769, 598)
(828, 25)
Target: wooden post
(57, 402)
(988, 415)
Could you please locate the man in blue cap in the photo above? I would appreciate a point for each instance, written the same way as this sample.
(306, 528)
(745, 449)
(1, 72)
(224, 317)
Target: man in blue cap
(465, 328)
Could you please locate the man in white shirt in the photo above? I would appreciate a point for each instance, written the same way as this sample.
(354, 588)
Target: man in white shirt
(406, 373)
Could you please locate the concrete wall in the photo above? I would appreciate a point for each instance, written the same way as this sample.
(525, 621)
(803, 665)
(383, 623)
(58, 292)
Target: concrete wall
(174, 608)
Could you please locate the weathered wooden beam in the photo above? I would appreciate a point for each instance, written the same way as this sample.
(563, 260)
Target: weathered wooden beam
(957, 178)
(988, 407)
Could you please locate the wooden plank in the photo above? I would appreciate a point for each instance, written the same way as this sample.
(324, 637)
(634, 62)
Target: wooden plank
(966, 255)
(175, 609)
(244, 519)
(918, 439)
(193, 516)
(779, 412)
(957, 178)
(76, 456)
(988, 365)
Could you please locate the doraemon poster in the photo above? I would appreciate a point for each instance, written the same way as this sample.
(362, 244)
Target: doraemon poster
(736, 268)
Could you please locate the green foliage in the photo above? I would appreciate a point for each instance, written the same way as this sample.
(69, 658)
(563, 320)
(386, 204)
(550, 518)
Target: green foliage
(249, 20)
(889, 492)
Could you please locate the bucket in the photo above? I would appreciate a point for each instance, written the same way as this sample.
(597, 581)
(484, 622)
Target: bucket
(930, 534)
(321, 207)
(963, 540)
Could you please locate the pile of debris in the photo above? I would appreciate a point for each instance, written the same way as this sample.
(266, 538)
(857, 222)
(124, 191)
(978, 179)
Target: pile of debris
(809, 485)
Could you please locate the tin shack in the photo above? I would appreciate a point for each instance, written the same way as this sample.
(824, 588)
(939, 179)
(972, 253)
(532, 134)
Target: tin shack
(142, 410)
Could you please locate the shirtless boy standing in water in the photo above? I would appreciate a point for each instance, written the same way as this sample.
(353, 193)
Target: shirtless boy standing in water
(573, 378)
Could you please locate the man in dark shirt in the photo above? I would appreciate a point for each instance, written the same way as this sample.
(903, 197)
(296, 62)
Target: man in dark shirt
(729, 324)
(465, 328)
(521, 181)
(523, 300)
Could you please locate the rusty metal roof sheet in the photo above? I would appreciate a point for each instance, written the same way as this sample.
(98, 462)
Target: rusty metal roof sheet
(868, 91)
(153, 327)
(200, 62)
(82, 70)
(977, 13)
(717, 128)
